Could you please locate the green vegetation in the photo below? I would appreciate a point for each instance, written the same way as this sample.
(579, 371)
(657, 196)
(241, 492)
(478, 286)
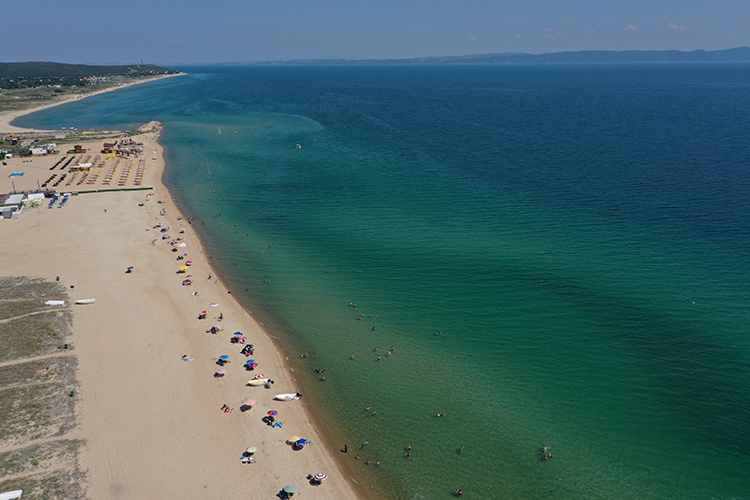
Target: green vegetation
(34, 335)
(28, 85)
(37, 397)
(49, 74)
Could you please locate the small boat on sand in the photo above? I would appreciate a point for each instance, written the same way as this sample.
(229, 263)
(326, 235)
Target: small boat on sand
(259, 381)
(288, 397)
(85, 301)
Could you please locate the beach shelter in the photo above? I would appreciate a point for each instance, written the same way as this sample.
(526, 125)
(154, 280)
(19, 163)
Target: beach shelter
(301, 442)
(293, 439)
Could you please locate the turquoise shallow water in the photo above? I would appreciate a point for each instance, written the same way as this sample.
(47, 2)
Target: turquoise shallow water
(578, 235)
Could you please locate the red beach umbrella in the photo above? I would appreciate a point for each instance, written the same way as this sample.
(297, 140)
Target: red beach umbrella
(320, 476)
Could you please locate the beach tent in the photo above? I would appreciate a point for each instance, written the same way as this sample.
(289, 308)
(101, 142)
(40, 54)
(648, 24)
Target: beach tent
(14, 200)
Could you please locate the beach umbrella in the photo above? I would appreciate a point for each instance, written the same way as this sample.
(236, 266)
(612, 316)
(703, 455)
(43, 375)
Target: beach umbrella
(189, 262)
(290, 489)
(224, 357)
(237, 334)
(252, 449)
(293, 439)
(223, 371)
(183, 267)
(204, 312)
(250, 361)
(301, 442)
(273, 413)
(320, 476)
(260, 375)
(250, 402)
(217, 326)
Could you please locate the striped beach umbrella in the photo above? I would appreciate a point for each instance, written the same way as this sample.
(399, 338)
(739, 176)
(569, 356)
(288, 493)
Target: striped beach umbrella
(320, 476)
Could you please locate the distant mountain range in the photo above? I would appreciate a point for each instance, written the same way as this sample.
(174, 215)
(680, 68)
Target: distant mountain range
(739, 54)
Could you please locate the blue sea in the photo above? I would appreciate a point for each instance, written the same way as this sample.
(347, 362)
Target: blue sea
(558, 255)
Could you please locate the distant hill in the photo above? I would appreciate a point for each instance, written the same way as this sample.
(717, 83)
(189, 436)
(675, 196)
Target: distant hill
(739, 54)
(60, 70)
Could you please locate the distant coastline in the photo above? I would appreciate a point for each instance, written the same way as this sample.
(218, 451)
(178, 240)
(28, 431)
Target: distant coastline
(737, 54)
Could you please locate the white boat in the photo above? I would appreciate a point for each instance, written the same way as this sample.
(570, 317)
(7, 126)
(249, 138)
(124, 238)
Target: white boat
(85, 301)
(259, 381)
(288, 397)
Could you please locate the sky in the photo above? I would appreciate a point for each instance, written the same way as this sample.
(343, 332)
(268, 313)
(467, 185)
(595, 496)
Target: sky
(218, 31)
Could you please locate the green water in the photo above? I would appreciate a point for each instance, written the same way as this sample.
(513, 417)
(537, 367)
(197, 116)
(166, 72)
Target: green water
(578, 236)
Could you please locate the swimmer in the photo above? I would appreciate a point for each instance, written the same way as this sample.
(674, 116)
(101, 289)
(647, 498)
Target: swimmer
(440, 414)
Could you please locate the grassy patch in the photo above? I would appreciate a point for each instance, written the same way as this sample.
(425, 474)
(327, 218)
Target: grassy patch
(13, 308)
(35, 412)
(34, 335)
(49, 485)
(25, 287)
(61, 370)
(31, 460)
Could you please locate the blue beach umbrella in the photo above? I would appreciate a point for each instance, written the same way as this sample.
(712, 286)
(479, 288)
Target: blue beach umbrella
(224, 357)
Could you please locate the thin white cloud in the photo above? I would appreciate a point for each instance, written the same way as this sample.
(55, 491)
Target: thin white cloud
(675, 26)
(631, 27)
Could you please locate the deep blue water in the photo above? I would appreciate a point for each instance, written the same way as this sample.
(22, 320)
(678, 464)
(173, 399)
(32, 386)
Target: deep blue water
(578, 235)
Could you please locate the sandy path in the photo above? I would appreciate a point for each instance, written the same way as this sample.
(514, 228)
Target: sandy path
(152, 422)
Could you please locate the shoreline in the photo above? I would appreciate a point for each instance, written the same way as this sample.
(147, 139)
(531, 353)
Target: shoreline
(323, 434)
(6, 119)
(116, 459)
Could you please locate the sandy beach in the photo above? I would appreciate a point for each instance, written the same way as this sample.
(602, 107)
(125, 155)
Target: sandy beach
(152, 422)
(7, 118)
